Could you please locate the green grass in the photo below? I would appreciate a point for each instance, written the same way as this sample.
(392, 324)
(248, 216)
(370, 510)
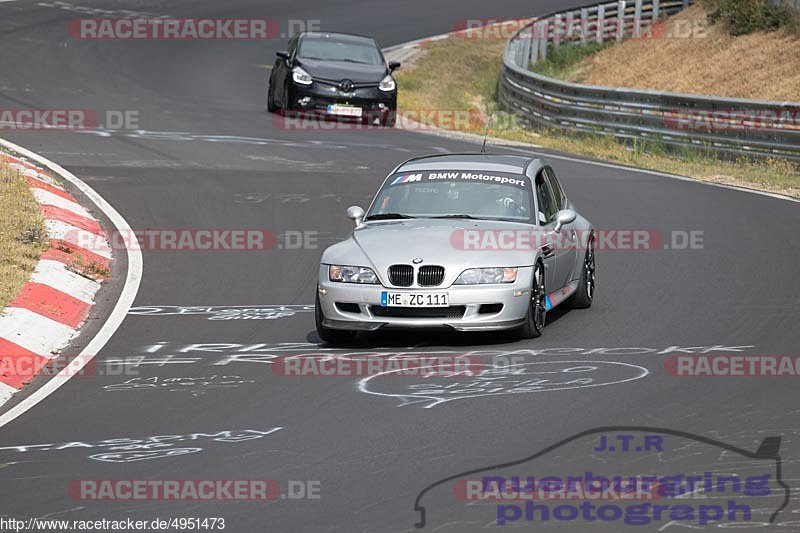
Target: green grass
(564, 61)
(22, 233)
(747, 16)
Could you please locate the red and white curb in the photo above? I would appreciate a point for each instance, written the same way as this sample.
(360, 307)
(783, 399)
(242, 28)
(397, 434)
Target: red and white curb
(52, 305)
(49, 310)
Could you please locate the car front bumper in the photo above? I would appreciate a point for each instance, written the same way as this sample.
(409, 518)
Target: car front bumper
(352, 306)
(317, 97)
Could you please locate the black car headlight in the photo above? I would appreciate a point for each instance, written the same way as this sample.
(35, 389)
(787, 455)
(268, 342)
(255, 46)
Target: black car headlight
(387, 84)
(352, 274)
(301, 77)
(485, 276)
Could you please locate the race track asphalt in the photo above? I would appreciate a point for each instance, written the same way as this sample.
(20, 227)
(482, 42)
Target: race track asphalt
(206, 155)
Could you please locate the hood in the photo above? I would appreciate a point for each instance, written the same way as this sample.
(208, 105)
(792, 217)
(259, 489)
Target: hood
(337, 71)
(437, 242)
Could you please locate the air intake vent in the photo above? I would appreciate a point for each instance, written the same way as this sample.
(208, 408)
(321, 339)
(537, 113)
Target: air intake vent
(455, 311)
(401, 275)
(430, 276)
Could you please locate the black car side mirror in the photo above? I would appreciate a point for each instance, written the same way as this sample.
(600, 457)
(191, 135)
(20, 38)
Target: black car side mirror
(394, 65)
(283, 55)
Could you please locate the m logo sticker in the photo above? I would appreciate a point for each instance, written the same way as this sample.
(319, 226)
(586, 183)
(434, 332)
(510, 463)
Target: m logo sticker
(407, 179)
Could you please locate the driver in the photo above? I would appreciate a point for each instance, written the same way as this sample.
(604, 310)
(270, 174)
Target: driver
(512, 203)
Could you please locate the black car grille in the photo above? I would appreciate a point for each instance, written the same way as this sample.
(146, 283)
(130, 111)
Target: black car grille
(430, 276)
(401, 275)
(454, 311)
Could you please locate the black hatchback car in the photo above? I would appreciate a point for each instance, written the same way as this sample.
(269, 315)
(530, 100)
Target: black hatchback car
(334, 75)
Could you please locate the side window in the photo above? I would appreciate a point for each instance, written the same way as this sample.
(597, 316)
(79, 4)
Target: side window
(544, 197)
(555, 186)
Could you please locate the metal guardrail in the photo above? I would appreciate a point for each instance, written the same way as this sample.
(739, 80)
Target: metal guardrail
(724, 126)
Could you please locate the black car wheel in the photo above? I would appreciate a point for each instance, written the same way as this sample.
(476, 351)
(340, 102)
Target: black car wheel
(389, 120)
(271, 107)
(331, 336)
(585, 294)
(537, 314)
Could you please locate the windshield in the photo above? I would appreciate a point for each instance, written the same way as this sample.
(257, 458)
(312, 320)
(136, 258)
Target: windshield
(329, 50)
(454, 194)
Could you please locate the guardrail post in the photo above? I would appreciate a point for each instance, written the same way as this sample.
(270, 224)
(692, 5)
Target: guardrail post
(601, 23)
(568, 28)
(526, 47)
(544, 37)
(557, 30)
(534, 45)
(656, 7)
(685, 4)
(621, 19)
(585, 25)
(637, 19)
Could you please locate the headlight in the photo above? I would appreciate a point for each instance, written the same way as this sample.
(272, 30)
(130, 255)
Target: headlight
(387, 84)
(352, 274)
(301, 76)
(481, 276)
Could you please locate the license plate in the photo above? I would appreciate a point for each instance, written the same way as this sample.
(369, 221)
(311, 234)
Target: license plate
(344, 110)
(414, 299)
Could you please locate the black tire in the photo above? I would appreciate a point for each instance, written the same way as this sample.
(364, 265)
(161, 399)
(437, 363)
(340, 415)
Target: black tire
(271, 107)
(583, 297)
(331, 336)
(389, 120)
(537, 314)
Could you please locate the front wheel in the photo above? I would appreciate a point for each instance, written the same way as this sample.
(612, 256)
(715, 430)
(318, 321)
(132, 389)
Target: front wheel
(585, 294)
(535, 318)
(329, 335)
(389, 120)
(271, 107)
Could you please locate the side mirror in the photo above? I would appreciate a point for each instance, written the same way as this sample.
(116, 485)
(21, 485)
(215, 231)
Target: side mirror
(356, 214)
(564, 217)
(283, 55)
(394, 65)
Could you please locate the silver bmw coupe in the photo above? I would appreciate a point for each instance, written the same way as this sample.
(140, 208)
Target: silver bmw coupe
(470, 242)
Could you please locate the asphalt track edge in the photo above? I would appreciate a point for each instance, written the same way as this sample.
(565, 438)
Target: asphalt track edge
(127, 295)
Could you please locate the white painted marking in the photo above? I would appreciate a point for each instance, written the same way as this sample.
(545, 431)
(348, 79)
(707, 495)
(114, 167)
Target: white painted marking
(6, 391)
(34, 332)
(48, 198)
(56, 275)
(492, 382)
(132, 280)
(78, 237)
(30, 173)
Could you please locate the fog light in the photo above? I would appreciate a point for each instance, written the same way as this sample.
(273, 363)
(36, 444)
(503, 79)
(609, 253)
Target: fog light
(304, 101)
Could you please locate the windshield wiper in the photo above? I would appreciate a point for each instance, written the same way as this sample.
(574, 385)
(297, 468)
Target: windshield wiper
(387, 216)
(458, 216)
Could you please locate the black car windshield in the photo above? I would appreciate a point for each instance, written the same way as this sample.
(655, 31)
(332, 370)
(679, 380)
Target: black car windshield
(330, 50)
(454, 195)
